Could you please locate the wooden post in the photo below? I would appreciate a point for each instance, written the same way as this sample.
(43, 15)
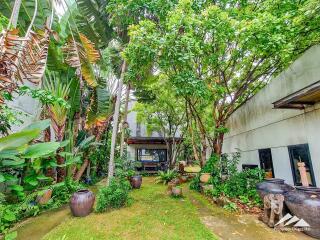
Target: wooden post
(303, 174)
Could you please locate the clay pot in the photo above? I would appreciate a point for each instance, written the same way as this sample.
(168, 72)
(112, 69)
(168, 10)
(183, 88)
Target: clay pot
(176, 191)
(175, 181)
(183, 179)
(45, 197)
(81, 203)
(205, 177)
(304, 202)
(136, 181)
(272, 185)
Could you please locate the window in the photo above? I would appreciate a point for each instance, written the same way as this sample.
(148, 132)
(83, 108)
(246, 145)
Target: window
(266, 164)
(300, 153)
(151, 155)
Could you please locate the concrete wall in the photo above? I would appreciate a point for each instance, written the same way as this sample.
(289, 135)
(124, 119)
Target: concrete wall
(136, 129)
(29, 107)
(257, 125)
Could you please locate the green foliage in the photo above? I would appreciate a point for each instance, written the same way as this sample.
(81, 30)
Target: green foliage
(12, 213)
(195, 183)
(211, 165)
(44, 96)
(166, 176)
(240, 185)
(231, 207)
(115, 195)
(62, 192)
(9, 117)
(17, 154)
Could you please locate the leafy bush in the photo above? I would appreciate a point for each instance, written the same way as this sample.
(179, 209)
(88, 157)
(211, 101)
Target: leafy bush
(61, 192)
(240, 185)
(12, 213)
(195, 183)
(115, 195)
(166, 176)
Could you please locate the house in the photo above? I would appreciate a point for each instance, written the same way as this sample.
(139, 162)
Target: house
(280, 125)
(151, 150)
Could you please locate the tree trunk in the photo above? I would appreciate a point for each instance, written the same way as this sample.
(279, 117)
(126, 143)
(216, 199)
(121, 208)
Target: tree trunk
(15, 14)
(124, 122)
(115, 123)
(203, 150)
(217, 144)
(83, 167)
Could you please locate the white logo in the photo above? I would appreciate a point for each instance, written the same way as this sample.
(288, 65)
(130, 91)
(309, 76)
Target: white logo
(288, 219)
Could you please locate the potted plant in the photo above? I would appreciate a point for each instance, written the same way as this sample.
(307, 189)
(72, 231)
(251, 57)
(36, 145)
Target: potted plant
(176, 191)
(166, 176)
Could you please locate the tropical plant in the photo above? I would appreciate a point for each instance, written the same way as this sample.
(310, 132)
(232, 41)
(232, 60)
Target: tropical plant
(166, 176)
(16, 152)
(115, 195)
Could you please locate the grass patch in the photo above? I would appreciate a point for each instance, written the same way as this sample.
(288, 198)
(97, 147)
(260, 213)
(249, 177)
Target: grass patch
(153, 215)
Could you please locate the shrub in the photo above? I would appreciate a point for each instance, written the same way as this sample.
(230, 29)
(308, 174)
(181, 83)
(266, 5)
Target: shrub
(115, 195)
(165, 177)
(195, 183)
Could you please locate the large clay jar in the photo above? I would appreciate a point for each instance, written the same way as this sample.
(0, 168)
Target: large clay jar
(205, 177)
(136, 181)
(304, 202)
(81, 203)
(274, 186)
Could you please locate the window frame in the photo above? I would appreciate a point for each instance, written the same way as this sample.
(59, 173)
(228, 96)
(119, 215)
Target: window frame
(260, 160)
(294, 176)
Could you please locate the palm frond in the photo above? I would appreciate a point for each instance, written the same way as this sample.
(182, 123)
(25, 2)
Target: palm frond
(82, 55)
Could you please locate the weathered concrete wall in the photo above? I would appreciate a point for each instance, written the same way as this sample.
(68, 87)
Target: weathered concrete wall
(136, 129)
(29, 107)
(257, 125)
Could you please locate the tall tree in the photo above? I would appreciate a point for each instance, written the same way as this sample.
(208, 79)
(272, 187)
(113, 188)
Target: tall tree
(218, 54)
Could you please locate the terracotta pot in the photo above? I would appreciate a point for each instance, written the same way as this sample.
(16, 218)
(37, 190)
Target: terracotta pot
(205, 177)
(45, 197)
(136, 181)
(175, 181)
(81, 203)
(304, 202)
(176, 191)
(273, 185)
(183, 179)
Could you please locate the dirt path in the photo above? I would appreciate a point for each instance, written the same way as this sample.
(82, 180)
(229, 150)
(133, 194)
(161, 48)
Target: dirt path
(233, 226)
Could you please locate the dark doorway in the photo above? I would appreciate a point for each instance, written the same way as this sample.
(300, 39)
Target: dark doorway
(266, 164)
(300, 153)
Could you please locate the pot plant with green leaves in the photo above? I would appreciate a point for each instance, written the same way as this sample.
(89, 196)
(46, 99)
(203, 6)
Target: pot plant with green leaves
(166, 176)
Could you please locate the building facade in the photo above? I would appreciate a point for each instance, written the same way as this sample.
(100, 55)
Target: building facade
(280, 125)
(151, 150)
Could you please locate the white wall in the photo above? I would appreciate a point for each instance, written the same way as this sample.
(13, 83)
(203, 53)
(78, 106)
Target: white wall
(29, 107)
(257, 125)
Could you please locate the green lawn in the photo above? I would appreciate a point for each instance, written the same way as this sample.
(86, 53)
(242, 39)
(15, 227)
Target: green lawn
(152, 215)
